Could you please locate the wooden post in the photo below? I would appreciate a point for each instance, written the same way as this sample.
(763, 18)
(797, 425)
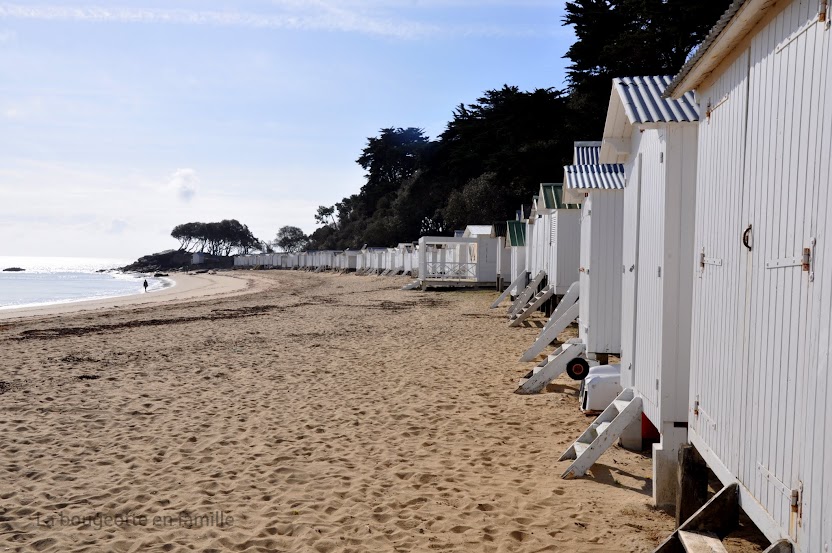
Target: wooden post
(692, 485)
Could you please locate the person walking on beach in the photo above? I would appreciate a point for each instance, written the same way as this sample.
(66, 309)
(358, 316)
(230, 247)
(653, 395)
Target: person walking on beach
(145, 286)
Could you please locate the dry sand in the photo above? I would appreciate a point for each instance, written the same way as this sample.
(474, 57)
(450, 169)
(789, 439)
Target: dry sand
(319, 412)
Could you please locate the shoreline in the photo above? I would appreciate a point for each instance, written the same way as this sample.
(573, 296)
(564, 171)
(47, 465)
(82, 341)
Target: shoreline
(183, 288)
(165, 282)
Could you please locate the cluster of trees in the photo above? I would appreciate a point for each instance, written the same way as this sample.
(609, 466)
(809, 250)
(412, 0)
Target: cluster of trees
(223, 238)
(494, 153)
(290, 239)
(230, 236)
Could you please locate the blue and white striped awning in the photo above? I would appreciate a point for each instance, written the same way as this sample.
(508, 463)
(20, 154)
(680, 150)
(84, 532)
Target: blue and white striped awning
(604, 176)
(643, 101)
(587, 153)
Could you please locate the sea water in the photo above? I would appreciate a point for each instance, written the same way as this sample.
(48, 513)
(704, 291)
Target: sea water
(52, 280)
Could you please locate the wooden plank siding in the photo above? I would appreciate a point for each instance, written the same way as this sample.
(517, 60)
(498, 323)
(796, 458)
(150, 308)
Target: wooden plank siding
(600, 308)
(761, 330)
(564, 249)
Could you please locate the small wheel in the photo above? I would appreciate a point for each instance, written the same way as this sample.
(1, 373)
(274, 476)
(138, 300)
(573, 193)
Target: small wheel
(577, 369)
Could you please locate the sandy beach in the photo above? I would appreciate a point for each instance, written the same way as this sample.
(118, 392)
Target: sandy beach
(298, 412)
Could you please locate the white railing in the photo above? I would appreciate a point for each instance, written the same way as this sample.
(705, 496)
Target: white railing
(451, 270)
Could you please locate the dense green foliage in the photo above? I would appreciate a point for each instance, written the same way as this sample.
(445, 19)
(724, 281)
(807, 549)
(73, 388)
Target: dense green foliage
(290, 239)
(495, 152)
(223, 238)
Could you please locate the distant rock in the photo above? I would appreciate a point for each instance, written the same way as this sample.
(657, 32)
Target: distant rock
(171, 260)
(14, 269)
(159, 275)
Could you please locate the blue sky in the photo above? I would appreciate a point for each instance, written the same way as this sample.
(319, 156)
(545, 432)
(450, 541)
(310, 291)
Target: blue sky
(119, 120)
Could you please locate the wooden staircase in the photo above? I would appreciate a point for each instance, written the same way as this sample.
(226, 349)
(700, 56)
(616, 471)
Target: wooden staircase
(565, 313)
(533, 305)
(602, 433)
(551, 368)
(515, 285)
(523, 299)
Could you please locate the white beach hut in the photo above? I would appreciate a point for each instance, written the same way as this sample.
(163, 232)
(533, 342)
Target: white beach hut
(516, 240)
(561, 237)
(760, 385)
(457, 262)
(350, 260)
(655, 139)
(595, 301)
(552, 252)
(535, 240)
(472, 231)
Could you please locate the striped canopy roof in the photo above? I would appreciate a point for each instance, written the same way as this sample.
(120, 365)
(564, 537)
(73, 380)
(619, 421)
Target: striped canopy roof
(516, 233)
(553, 197)
(604, 176)
(587, 152)
(643, 101)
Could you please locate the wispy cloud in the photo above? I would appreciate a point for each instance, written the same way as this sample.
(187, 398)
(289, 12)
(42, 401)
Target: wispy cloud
(185, 183)
(314, 15)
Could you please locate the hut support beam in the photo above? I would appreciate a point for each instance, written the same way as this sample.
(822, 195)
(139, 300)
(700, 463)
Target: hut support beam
(692, 483)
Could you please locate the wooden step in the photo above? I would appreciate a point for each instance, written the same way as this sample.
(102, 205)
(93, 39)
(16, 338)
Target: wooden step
(701, 542)
(620, 404)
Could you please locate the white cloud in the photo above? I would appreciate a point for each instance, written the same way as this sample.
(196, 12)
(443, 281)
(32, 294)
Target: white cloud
(185, 183)
(7, 36)
(117, 226)
(317, 15)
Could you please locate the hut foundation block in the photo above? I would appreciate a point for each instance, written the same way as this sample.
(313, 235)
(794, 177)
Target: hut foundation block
(666, 465)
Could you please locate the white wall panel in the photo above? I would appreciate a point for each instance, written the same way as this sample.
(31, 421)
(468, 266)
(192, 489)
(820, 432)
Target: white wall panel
(761, 327)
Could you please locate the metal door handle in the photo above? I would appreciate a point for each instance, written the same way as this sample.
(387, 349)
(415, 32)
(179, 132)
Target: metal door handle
(745, 238)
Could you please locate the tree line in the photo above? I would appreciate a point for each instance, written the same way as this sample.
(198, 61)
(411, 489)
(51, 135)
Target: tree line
(230, 236)
(495, 152)
(223, 238)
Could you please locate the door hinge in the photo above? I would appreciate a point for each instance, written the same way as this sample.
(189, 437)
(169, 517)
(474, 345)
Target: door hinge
(808, 259)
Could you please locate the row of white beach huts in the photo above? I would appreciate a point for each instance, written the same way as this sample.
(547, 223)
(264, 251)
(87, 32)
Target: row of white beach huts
(468, 259)
(690, 243)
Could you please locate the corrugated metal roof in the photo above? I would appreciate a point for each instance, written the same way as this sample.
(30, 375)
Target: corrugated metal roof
(478, 230)
(587, 152)
(553, 197)
(720, 26)
(605, 176)
(516, 233)
(643, 101)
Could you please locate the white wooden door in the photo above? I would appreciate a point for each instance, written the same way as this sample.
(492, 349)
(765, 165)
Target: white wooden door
(781, 199)
(718, 290)
(583, 278)
(629, 276)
